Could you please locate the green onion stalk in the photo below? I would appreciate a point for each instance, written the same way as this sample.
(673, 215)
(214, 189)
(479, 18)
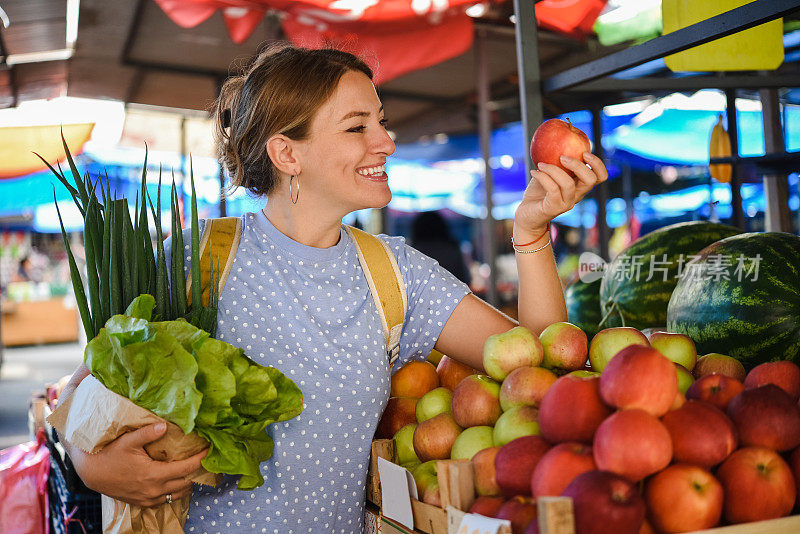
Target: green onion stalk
(121, 262)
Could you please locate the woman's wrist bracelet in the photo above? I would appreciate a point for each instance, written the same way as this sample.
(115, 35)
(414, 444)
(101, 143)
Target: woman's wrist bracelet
(546, 232)
(520, 251)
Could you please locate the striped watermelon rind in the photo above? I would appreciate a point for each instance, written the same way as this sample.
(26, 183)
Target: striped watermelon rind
(752, 318)
(627, 297)
(583, 305)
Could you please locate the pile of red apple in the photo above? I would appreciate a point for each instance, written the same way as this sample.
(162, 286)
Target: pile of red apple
(639, 432)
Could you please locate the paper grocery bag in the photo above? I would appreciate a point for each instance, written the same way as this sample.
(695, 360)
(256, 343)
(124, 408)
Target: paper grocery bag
(94, 416)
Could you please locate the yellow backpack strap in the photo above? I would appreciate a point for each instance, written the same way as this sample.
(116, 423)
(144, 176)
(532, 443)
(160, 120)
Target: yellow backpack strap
(222, 236)
(386, 285)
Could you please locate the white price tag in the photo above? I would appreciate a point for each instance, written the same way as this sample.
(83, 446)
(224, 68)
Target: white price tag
(397, 488)
(480, 524)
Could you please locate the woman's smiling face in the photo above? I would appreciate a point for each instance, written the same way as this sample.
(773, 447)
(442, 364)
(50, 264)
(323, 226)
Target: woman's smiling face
(343, 158)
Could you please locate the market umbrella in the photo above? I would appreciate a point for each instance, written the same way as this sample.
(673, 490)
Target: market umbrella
(18, 143)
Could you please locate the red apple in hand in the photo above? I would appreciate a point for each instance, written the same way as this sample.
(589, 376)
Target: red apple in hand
(554, 138)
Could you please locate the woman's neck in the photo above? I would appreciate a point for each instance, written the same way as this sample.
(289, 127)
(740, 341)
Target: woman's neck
(304, 225)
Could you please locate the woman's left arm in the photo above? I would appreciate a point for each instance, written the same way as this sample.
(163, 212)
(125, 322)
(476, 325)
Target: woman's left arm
(550, 193)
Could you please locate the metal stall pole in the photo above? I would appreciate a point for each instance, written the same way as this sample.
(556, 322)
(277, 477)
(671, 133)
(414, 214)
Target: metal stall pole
(776, 187)
(223, 205)
(627, 193)
(737, 215)
(601, 191)
(530, 89)
(485, 132)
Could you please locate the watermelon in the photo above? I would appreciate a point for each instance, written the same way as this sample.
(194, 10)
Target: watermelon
(754, 314)
(638, 283)
(583, 305)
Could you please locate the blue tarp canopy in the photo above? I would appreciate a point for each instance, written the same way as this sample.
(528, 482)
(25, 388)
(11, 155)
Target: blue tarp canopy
(681, 137)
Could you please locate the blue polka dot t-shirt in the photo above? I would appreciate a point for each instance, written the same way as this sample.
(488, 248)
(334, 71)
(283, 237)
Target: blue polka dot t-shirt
(309, 313)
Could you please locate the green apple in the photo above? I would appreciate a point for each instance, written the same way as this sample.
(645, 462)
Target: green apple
(608, 342)
(410, 466)
(502, 353)
(685, 378)
(434, 402)
(677, 347)
(425, 475)
(404, 444)
(515, 423)
(584, 373)
(470, 441)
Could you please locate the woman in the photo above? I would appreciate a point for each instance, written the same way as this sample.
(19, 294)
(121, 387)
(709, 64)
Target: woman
(305, 128)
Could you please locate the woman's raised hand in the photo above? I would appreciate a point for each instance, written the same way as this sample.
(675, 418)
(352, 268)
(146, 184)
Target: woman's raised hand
(552, 192)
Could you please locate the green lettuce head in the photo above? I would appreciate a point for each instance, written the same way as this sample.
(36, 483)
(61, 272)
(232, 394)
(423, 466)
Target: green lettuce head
(201, 384)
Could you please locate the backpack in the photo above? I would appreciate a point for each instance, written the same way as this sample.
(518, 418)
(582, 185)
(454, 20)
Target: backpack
(377, 261)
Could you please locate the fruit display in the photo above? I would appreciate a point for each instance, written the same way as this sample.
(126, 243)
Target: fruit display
(621, 438)
(637, 283)
(742, 298)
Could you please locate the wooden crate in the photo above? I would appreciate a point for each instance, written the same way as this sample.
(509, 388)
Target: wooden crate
(381, 448)
(558, 519)
(456, 487)
(783, 525)
(457, 490)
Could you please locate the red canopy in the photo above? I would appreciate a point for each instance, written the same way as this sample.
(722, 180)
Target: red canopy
(574, 18)
(395, 36)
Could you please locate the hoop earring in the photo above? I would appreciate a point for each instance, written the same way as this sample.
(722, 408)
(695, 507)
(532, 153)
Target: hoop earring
(294, 198)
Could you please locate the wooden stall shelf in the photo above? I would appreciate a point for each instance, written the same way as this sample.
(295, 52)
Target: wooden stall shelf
(36, 322)
(782, 525)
